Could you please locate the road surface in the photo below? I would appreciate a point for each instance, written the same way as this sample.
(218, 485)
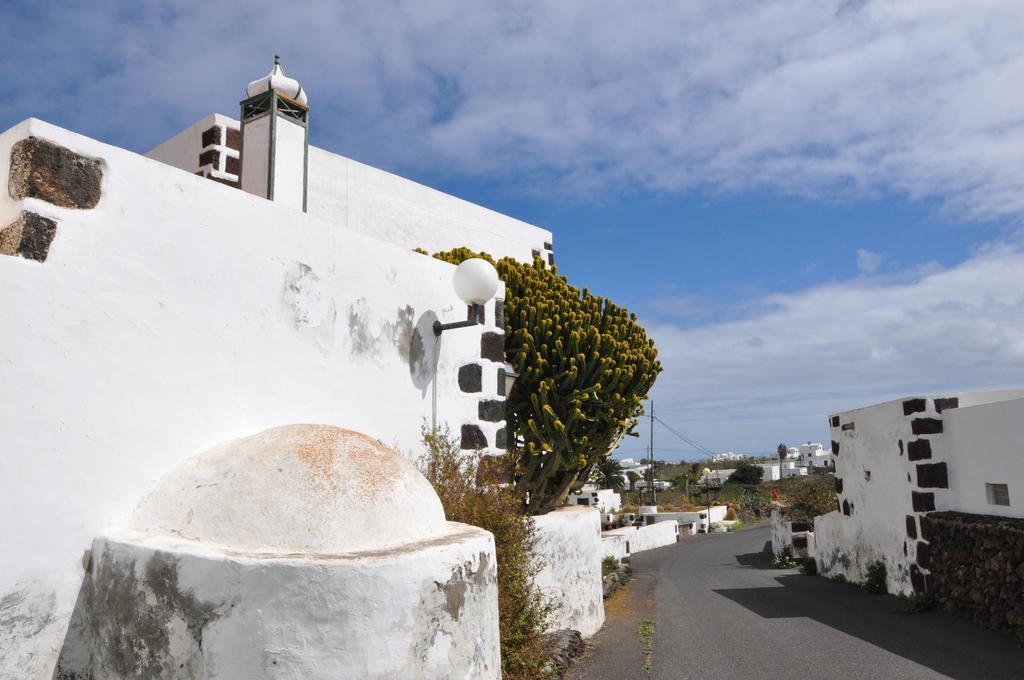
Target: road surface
(720, 612)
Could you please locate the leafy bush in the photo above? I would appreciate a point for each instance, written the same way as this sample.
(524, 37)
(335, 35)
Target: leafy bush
(804, 498)
(875, 582)
(755, 502)
(784, 560)
(522, 612)
(747, 473)
(609, 564)
(918, 602)
(808, 566)
(839, 578)
(738, 524)
(585, 365)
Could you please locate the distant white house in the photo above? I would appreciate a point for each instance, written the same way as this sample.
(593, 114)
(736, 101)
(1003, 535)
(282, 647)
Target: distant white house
(716, 478)
(814, 455)
(604, 500)
(728, 456)
(632, 465)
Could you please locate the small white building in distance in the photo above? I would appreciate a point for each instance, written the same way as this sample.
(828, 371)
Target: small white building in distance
(813, 455)
(729, 455)
(605, 500)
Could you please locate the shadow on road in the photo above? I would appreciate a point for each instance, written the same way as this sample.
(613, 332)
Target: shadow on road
(757, 560)
(948, 645)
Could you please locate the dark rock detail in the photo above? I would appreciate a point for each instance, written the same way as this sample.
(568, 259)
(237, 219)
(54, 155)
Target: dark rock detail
(211, 136)
(924, 555)
(912, 526)
(848, 427)
(548, 246)
(501, 383)
(835, 421)
(932, 476)
(926, 426)
(900, 444)
(480, 316)
(473, 437)
(835, 447)
(919, 449)
(470, 378)
(914, 406)
(801, 526)
(210, 157)
(52, 173)
(922, 501)
(492, 346)
(946, 403)
(564, 646)
(232, 165)
(535, 253)
(800, 542)
(29, 236)
(839, 484)
(223, 180)
(501, 439)
(491, 410)
(977, 566)
(234, 140)
(846, 508)
(551, 259)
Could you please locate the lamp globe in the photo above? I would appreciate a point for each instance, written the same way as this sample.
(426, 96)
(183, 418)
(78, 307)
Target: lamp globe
(475, 281)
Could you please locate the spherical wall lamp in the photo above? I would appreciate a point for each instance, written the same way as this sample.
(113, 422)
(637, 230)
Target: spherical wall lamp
(475, 282)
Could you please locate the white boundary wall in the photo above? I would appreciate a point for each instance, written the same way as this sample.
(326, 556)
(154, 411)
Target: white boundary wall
(569, 544)
(177, 314)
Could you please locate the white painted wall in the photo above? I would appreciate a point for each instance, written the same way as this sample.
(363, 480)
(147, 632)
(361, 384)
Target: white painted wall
(569, 543)
(605, 500)
(615, 545)
(647, 537)
(988, 445)
(289, 163)
(177, 314)
(183, 149)
(256, 160)
(371, 201)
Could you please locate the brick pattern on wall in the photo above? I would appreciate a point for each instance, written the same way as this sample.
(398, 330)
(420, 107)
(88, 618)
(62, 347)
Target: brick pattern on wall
(220, 155)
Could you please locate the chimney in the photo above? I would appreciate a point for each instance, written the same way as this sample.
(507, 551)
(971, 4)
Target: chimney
(275, 138)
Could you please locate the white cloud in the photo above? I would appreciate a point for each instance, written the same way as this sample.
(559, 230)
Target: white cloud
(868, 261)
(813, 97)
(777, 375)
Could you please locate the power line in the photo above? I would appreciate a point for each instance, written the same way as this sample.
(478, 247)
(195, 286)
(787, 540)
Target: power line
(684, 437)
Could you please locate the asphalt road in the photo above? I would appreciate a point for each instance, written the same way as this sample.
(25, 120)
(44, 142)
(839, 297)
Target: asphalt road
(720, 612)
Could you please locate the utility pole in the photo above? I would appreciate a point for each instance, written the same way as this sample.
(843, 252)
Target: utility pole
(654, 492)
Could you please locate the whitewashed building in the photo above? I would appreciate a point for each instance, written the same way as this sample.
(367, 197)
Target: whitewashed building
(902, 460)
(605, 500)
(233, 280)
(814, 455)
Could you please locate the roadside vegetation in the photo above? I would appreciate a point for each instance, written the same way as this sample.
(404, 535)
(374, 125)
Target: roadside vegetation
(522, 611)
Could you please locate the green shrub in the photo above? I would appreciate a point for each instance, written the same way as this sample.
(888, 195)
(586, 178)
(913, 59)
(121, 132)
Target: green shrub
(805, 498)
(609, 564)
(747, 473)
(738, 524)
(808, 566)
(784, 560)
(522, 612)
(875, 582)
(838, 578)
(916, 603)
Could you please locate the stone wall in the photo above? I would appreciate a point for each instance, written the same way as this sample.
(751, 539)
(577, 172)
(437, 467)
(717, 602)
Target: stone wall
(977, 566)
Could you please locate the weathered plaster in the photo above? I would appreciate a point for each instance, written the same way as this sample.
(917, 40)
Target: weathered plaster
(569, 545)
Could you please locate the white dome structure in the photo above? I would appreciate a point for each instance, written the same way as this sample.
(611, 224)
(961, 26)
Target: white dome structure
(297, 489)
(277, 81)
(303, 551)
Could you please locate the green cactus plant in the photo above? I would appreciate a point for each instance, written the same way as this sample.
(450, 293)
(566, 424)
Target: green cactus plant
(584, 364)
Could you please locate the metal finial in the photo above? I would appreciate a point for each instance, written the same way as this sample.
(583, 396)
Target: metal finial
(277, 60)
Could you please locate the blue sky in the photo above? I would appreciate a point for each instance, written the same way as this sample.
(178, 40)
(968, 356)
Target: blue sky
(812, 205)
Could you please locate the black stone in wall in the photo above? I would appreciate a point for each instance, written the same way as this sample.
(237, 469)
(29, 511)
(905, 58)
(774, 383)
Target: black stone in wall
(912, 526)
(922, 502)
(470, 378)
(977, 566)
(29, 236)
(839, 484)
(914, 406)
(473, 437)
(919, 449)
(499, 313)
(492, 346)
(846, 507)
(924, 555)
(946, 403)
(491, 410)
(55, 174)
(234, 140)
(835, 446)
(900, 444)
(926, 426)
(501, 439)
(932, 476)
(211, 136)
(835, 422)
(501, 383)
(210, 157)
